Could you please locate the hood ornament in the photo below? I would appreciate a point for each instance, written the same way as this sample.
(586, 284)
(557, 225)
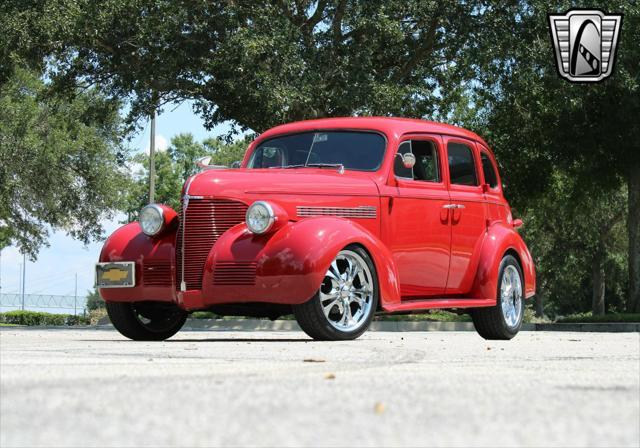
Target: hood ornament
(203, 163)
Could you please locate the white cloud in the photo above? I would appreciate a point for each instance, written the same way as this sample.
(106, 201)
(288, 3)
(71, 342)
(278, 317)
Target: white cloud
(161, 144)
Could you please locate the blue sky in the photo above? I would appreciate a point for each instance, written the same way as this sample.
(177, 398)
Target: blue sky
(54, 271)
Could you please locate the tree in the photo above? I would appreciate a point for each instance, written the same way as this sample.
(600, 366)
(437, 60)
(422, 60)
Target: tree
(60, 163)
(94, 301)
(259, 63)
(174, 166)
(578, 250)
(539, 123)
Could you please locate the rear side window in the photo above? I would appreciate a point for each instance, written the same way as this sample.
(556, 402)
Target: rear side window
(490, 176)
(462, 168)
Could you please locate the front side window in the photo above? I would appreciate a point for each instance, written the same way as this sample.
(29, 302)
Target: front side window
(359, 151)
(426, 168)
(489, 171)
(462, 168)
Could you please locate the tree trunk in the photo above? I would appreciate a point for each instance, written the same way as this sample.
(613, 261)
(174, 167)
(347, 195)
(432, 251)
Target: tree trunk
(598, 281)
(539, 303)
(633, 224)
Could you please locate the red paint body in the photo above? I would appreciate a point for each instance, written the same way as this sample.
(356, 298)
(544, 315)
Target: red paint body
(426, 256)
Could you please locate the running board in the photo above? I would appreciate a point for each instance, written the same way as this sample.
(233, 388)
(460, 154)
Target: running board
(427, 304)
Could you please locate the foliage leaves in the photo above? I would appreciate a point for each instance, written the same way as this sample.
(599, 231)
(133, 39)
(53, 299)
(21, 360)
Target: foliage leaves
(59, 163)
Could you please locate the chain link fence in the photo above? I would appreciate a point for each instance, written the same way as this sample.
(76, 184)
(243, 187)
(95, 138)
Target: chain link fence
(44, 302)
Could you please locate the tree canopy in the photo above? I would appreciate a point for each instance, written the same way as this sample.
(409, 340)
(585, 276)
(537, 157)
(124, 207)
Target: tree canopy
(60, 163)
(261, 63)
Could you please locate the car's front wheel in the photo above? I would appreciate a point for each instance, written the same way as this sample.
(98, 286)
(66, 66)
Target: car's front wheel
(146, 321)
(346, 302)
(504, 320)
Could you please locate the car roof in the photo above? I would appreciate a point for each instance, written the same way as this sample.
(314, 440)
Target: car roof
(387, 125)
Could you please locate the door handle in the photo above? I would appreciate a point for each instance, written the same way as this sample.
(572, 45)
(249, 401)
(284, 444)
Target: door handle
(452, 206)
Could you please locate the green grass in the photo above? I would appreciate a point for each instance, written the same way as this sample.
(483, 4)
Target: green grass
(434, 316)
(607, 318)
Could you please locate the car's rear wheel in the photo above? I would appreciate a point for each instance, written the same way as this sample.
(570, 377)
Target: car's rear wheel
(146, 321)
(504, 320)
(346, 302)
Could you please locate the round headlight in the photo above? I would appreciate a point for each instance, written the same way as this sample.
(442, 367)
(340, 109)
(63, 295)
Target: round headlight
(260, 217)
(151, 219)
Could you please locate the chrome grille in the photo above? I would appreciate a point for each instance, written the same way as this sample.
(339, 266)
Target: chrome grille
(205, 220)
(363, 211)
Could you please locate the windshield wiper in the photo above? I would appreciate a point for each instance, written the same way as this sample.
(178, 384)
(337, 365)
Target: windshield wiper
(339, 166)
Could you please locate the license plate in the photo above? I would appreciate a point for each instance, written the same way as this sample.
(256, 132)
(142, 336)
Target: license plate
(116, 275)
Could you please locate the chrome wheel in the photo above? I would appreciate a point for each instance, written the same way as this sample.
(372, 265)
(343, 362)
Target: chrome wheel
(511, 296)
(346, 294)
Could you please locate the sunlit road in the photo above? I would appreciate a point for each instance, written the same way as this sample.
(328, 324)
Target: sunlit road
(94, 388)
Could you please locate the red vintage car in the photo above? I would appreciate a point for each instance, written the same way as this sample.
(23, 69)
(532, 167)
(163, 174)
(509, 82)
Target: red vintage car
(333, 221)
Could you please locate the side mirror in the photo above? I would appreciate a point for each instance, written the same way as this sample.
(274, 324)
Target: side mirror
(203, 163)
(485, 188)
(236, 164)
(408, 159)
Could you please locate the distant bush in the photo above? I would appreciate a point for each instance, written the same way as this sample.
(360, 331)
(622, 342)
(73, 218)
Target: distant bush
(432, 316)
(34, 318)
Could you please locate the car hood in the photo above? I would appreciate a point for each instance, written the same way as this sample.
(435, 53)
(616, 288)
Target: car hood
(237, 183)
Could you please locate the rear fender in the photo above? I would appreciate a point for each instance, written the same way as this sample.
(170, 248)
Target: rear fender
(500, 239)
(291, 263)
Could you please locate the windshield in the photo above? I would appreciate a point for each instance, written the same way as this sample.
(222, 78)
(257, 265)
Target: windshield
(360, 151)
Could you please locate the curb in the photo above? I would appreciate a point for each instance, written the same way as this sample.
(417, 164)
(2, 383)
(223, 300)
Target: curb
(621, 327)
(390, 326)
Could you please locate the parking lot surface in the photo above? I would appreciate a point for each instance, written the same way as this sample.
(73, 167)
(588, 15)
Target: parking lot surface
(94, 388)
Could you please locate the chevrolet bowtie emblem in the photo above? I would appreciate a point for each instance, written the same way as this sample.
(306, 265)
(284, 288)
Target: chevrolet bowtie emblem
(585, 43)
(115, 275)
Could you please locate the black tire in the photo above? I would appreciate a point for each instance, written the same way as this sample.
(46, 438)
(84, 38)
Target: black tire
(146, 321)
(490, 322)
(311, 317)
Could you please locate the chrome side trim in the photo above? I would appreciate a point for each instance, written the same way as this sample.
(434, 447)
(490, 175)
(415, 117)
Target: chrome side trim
(362, 212)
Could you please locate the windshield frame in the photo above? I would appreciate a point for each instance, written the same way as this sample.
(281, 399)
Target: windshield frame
(258, 143)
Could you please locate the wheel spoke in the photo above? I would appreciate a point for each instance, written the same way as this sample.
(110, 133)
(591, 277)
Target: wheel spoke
(334, 272)
(327, 308)
(347, 318)
(331, 296)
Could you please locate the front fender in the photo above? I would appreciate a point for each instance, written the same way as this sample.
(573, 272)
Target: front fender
(500, 239)
(155, 264)
(289, 265)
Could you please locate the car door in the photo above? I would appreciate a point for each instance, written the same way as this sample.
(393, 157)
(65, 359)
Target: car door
(467, 212)
(495, 208)
(415, 226)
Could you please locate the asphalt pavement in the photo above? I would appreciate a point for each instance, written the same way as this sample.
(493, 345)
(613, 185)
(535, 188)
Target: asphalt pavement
(220, 388)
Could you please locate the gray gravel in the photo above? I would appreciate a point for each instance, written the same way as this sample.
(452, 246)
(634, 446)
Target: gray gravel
(94, 388)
